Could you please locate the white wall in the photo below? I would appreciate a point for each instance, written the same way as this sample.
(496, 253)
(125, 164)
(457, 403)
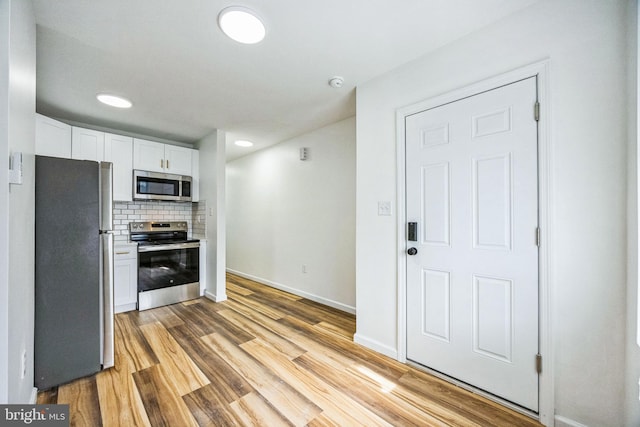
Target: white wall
(283, 213)
(632, 409)
(212, 190)
(5, 12)
(585, 43)
(17, 134)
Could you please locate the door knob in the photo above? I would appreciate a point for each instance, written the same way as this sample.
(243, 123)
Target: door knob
(412, 251)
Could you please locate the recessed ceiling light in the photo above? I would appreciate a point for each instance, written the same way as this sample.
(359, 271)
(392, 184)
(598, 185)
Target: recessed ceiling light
(114, 101)
(241, 24)
(244, 143)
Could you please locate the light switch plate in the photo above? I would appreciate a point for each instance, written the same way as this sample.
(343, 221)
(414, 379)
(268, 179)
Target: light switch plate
(15, 168)
(384, 208)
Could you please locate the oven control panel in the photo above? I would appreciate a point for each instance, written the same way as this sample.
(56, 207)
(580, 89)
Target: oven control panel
(157, 226)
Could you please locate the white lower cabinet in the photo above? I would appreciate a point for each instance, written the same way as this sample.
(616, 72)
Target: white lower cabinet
(125, 280)
(203, 266)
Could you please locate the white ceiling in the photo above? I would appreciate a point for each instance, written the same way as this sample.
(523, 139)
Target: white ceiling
(186, 78)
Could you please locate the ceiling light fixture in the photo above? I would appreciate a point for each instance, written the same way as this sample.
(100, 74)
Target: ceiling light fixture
(244, 143)
(114, 101)
(241, 24)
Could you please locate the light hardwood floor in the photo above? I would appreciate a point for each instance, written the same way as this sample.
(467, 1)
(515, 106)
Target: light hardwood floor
(262, 358)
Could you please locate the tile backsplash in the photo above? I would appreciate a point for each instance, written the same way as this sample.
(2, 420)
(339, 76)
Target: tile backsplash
(199, 220)
(126, 212)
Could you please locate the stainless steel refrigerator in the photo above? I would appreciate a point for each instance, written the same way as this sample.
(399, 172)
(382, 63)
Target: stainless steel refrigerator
(74, 323)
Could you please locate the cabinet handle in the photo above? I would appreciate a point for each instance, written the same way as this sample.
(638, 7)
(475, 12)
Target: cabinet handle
(167, 164)
(161, 164)
(123, 253)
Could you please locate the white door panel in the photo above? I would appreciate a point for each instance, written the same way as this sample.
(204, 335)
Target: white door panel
(472, 288)
(435, 204)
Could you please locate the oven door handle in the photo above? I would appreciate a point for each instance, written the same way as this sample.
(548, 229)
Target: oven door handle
(168, 247)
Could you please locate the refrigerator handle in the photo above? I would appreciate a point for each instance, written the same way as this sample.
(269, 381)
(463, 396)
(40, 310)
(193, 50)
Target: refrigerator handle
(106, 196)
(107, 300)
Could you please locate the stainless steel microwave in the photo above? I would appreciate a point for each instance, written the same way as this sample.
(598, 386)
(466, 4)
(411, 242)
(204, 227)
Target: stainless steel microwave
(161, 186)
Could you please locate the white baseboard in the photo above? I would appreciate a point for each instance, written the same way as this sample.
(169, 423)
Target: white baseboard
(215, 298)
(561, 421)
(33, 399)
(325, 301)
(376, 346)
(125, 307)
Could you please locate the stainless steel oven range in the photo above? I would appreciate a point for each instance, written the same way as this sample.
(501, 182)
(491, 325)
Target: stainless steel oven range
(168, 263)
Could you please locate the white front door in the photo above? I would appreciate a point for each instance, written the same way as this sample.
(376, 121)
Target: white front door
(472, 286)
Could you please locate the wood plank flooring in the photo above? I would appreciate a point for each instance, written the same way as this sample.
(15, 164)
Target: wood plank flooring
(262, 358)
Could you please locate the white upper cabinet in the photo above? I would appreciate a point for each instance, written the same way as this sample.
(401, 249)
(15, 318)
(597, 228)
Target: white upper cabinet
(53, 138)
(57, 139)
(99, 146)
(148, 155)
(177, 160)
(119, 150)
(195, 176)
(87, 144)
(158, 157)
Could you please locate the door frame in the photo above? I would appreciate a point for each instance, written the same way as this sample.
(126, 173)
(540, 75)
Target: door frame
(545, 195)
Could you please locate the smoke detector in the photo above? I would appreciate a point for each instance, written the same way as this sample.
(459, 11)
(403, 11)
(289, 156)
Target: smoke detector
(336, 82)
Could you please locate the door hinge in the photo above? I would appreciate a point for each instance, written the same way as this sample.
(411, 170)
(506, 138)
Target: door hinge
(536, 111)
(538, 236)
(539, 363)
